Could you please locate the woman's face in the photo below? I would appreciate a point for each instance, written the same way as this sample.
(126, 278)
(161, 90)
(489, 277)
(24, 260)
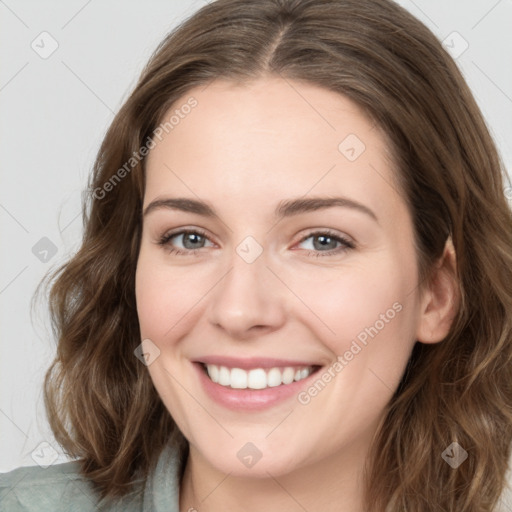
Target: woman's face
(277, 253)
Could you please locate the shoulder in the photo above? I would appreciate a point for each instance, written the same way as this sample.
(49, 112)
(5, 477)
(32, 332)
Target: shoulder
(58, 488)
(62, 488)
(34, 488)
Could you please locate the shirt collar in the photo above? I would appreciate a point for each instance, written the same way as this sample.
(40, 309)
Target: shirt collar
(162, 489)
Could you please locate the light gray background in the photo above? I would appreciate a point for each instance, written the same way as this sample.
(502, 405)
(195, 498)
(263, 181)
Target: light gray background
(55, 111)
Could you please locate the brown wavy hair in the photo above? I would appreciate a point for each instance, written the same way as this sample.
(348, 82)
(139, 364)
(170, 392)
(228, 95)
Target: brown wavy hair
(101, 403)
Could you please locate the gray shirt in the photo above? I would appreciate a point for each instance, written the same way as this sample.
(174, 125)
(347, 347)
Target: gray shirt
(60, 488)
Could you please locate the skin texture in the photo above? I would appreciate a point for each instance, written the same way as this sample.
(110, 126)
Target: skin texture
(243, 149)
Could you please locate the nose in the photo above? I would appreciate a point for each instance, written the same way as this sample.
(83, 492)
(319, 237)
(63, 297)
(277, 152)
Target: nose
(248, 301)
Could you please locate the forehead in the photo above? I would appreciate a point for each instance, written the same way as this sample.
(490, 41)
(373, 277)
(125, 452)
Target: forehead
(270, 137)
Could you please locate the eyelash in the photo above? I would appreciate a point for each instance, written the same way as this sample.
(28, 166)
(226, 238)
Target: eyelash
(348, 244)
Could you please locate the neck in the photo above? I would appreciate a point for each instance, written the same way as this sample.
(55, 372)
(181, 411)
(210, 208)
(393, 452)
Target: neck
(331, 484)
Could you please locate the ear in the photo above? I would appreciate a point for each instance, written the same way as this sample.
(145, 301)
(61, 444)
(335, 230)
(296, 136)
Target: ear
(440, 299)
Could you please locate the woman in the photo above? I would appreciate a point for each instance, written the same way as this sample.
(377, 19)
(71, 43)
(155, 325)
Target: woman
(294, 287)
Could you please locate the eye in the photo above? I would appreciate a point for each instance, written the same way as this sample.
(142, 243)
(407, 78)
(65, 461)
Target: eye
(190, 240)
(326, 243)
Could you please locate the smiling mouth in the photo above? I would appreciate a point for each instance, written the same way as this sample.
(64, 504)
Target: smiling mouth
(257, 378)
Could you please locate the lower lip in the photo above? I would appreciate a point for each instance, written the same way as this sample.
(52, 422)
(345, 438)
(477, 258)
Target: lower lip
(249, 399)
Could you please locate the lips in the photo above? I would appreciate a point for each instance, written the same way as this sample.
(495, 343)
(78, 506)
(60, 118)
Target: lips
(252, 384)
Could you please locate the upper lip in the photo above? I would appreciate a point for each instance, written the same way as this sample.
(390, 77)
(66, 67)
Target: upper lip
(252, 362)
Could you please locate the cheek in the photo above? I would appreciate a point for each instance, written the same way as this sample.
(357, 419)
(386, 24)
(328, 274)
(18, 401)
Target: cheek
(353, 303)
(168, 299)
(366, 317)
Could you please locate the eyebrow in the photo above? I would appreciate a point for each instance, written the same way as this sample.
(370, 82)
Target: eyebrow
(286, 208)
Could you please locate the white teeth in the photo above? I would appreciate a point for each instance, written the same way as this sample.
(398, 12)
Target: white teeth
(224, 376)
(238, 378)
(274, 378)
(304, 373)
(258, 378)
(214, 373)
(288, 375)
